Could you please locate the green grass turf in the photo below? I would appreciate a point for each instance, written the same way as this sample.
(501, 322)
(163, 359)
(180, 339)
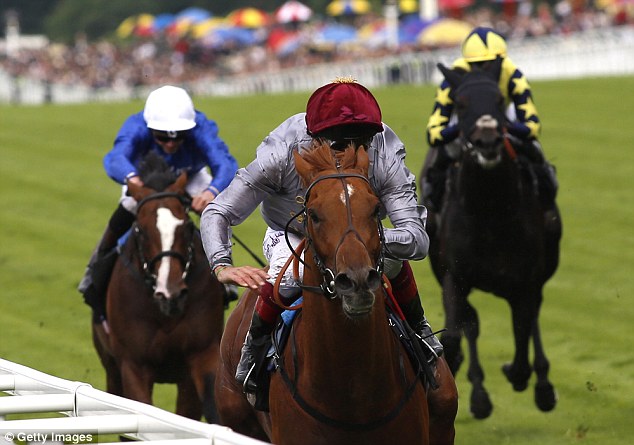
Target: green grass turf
(55, 200)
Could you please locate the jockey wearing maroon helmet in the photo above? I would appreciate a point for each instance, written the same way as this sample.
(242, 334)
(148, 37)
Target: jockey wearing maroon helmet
(341, 112)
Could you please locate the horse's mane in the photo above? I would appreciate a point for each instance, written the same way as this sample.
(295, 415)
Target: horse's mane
(321, 157)
(155, 172)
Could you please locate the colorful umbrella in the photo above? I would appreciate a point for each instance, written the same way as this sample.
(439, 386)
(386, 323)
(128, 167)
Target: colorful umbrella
(407, 6)
(248, 18)
(445, 5)
(293, 11)
(193, 15)
(348, 7)
(162, 21)
(445, 32)
(336, 33)
(203, 28)
(138, 25)
(185, 21)
(225, 35)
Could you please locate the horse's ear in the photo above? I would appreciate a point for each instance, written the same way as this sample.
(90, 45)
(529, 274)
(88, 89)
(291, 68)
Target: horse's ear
(363, 161)
(452, 76)
(180, 183)
(496, 68)
(304, 169)
(138, 192)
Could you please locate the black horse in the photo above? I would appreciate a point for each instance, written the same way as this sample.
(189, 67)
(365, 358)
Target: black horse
(490, 234)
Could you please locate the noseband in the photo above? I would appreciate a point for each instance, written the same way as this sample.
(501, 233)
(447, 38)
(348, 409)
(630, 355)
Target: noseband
(327, 287)
(186, 261)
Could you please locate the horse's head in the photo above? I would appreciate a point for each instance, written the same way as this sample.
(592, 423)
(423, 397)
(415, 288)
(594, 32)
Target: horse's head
(342, 225)
(163, 233)
(479, 106)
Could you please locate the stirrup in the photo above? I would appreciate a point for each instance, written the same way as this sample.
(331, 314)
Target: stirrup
(432, 338)
(249, 386)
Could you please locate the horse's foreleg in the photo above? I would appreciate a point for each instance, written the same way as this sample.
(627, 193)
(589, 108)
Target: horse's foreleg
(480, 404)
(452, 303)
(443, 406)
(545, 395)
(187, 402)
(137, 382)
(203, 369)
(113, 376)
(524, 313)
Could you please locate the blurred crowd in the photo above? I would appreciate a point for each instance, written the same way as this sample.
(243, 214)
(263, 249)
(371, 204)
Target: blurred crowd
(180, 59)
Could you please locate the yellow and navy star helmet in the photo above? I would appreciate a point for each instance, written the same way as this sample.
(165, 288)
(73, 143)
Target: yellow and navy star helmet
(483, 44)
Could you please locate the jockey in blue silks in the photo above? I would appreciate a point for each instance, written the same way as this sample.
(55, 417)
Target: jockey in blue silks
(189, 142)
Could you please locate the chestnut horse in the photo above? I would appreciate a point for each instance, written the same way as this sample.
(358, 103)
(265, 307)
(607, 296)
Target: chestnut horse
(164, 307)
(491, 234)
(345, 378)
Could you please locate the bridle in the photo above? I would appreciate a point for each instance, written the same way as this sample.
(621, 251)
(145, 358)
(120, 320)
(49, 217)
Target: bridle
(185, 260)
(327, 286)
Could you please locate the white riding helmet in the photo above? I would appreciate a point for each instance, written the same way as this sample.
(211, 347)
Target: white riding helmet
(170, 109)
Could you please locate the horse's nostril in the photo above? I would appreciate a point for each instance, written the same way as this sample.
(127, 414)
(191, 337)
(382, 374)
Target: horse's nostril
(374, 279)
(343, 283)
(159, 296)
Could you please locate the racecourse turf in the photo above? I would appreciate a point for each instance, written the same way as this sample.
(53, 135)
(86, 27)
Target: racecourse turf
(55, 200)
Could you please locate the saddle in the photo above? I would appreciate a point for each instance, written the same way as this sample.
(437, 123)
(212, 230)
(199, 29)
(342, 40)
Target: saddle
(273, 362)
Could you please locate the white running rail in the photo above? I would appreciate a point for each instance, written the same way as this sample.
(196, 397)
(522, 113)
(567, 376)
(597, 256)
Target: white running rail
(86, 410)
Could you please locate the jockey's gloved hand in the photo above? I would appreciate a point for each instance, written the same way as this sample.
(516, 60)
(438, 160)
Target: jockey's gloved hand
(518, 130)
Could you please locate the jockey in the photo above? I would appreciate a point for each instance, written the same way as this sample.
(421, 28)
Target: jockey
(341, 112)
(480, 47)
(188, 141)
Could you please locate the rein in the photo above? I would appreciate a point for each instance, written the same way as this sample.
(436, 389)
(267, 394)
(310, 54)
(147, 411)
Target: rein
(327, 287)
(321, 417)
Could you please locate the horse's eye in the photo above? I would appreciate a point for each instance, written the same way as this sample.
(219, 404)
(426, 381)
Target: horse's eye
(313, 216)
(377, 211)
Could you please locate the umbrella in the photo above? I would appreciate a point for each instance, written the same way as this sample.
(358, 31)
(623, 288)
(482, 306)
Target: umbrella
(248, 18)
(185, 21)
(408, 6)
(139, 25)
(284, 43)
(336, 33)
(162, 21)
(348, 7)
(410, 27)
(223, 36)
(203, 28)
(293, 11)
(444, 5)
(193, 15)
(376, 34)
(444, 32)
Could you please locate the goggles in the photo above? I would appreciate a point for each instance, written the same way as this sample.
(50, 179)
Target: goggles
(167, 136)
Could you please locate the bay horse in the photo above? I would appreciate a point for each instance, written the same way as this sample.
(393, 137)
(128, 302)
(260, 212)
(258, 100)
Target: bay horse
(165, 309)
(344, 378)
(490, 234)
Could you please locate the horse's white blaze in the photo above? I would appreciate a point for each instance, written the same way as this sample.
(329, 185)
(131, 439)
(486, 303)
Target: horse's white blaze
(342, 195)
(166, 223)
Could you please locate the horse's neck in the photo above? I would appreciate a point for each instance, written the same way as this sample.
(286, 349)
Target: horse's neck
(330, 343)
(492, 190)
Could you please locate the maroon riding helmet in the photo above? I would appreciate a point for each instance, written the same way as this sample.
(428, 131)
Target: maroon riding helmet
(343, 111)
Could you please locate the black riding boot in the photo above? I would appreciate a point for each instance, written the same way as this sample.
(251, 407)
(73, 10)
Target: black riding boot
(545, 173)
(256, 345)
(435, 178)
(415, 316)
(95, 281)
